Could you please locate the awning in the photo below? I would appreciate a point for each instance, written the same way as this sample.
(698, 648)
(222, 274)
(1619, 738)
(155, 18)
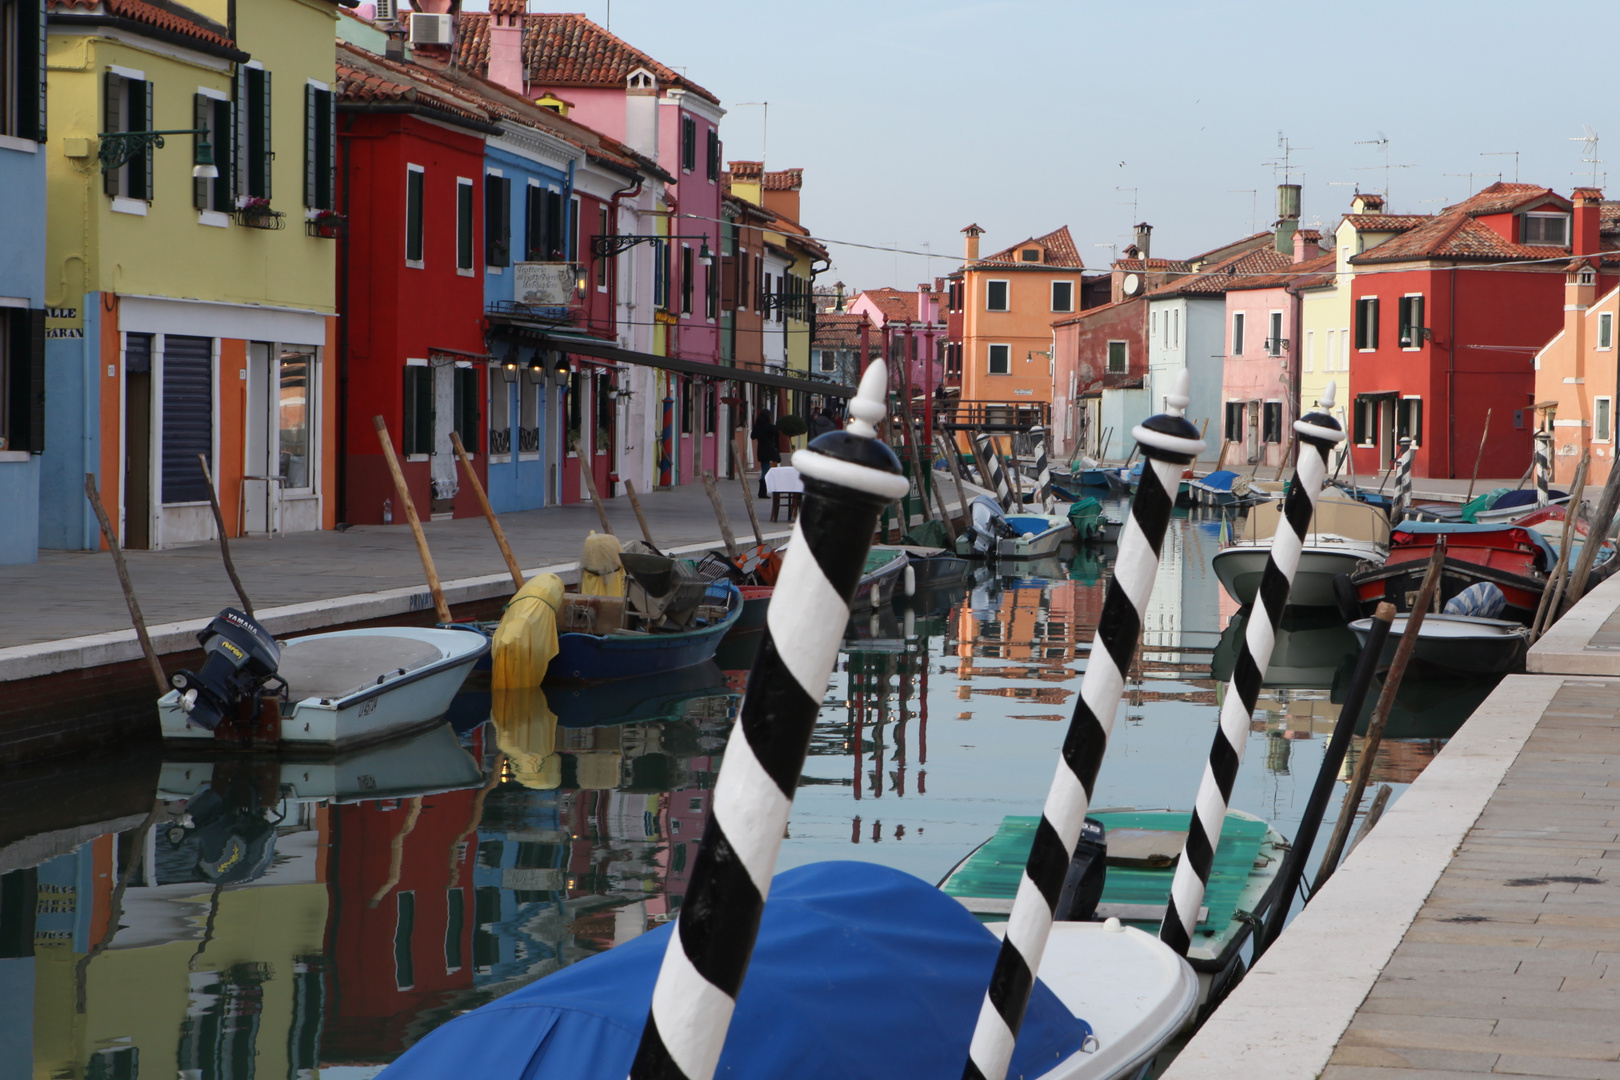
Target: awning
(1378, 395)
(589, 346)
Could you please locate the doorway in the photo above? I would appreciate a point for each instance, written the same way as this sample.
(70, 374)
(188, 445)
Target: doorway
(261, 473)
(138, 441)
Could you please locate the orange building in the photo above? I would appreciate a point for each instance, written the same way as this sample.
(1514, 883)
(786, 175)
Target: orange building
(1009, 301)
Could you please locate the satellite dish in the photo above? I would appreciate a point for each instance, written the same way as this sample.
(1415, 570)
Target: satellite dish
(1132, 284)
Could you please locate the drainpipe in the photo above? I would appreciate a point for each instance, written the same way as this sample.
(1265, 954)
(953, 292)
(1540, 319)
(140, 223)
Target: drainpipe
(1451, 381)
(346, 145)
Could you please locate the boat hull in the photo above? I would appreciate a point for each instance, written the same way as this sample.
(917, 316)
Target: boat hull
(604, 657)
(1040, 543)
(876, 587)
(1240, 568)
(1461, 643)
(1399, 584)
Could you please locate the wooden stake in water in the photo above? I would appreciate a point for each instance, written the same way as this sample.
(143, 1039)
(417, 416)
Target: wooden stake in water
(224, 544)
(404, 493)
(135, 616)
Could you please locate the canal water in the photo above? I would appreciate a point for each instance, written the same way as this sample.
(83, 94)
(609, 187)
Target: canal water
(277, 918)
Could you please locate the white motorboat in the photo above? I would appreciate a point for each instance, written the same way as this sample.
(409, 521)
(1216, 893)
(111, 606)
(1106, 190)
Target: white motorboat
(1012, 536)
(322, 691)
(1345, 534)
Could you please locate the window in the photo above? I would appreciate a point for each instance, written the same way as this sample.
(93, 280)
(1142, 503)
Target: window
(603, 228)
(1175, 329)
(1605, 330)
(129, 108)
(1030, 255)
(320, 148)
(1409, 420)
(544, 225)
(1237, 333)
(711, 292)
(688, 144)
(464, 225)
(404, 925)
(1062, 296)
(497, 221)
(466, 406)
(22, 379)
(413, 215)
(1153, 324)
(686, 406)
(417, 433)
(1344, 348)
(1331, 350)
(1234, 421)
(661, 274)
(826, 360)
(1409, 317)
(574, 243)
(528, 414)
(188, 416)
(500, 412)
(1310, 350)
(714, 154)
(1367, 323)
(1271, 421)
(1602, 419)
(213, 113)
(1365, 414)
(455, 913)
(1117, 357)
(22, 69)
(1000, 359)
(711, 412)
(686, 280)
(1274, 339)
(294, 408)
(995, 296)
(1551, 230)
(253, 148)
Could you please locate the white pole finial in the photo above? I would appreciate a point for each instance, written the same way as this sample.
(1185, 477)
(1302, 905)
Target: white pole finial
(1176, 402)
(1326, 403)
(868, 407)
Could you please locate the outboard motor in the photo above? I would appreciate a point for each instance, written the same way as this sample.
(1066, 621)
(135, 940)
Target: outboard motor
(242, 657)
(1088, 870)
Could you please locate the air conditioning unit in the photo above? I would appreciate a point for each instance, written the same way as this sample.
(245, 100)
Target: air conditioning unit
(430, 29)
(387, 10)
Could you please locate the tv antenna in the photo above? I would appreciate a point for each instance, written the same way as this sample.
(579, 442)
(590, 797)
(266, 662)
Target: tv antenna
(1113, 252)
(1506, 153)
(1589, 150)
(764, 127)
(1133, 201)
(1254, 203)
(1285, 165)
(1382, 141)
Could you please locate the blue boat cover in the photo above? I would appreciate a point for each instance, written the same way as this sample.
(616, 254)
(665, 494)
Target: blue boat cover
(1219, 480)
(859, 971)
(1482, 599)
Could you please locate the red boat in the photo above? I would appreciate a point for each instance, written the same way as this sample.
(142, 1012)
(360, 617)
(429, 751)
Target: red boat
(1517, 558)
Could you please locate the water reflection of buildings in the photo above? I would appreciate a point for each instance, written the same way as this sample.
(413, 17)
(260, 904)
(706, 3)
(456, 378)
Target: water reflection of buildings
(249, 928)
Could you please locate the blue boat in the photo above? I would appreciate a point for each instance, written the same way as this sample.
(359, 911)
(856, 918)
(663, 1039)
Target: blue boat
(625, 653)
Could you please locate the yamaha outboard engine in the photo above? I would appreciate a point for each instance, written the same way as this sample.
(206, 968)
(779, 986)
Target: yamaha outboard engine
(1088, 871)
(242, 657)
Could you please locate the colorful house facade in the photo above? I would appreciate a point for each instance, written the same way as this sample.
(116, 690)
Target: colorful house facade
(22, 279)
(193, 315)
(1576, 374)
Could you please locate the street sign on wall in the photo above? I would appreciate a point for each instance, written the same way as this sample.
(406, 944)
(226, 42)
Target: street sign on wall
(544, 284)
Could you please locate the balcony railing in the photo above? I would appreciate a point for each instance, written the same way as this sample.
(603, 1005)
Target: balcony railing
(992, 416)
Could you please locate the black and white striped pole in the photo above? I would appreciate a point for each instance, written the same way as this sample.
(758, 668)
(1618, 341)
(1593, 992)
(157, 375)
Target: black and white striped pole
(1403, 481)
(997, 480)
(1319, 433)
(1543, 467)
(849, 477)
(1169, 444)
(1043, 469)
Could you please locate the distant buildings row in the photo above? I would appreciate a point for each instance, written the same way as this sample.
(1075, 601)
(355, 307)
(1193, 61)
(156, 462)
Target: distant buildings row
(1499, 310)
(238, 233)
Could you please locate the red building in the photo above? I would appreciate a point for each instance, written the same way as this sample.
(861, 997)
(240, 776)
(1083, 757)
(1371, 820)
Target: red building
(1447, 318)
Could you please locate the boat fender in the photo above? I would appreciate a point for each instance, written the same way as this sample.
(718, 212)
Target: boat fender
(1083, 885)
(1349, 601)
(911, 581)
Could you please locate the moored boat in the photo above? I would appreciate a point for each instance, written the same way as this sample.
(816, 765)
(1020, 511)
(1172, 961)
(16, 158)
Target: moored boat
(1344, 535)
(621, 653)
(883, 573)
(1225, 488)
(1468, 644)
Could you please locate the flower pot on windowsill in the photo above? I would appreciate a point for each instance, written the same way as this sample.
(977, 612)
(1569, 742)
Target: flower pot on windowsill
(256, 214)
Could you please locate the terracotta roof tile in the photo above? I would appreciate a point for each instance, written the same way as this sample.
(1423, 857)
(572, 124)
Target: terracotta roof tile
(164, 16)
(1175, 266)
(838, 328)
(1455, 234)
(1101, 309)
(1217, 278)
(1059, 252)
(1387, 222)
(1298, 274)
(783, 180)
(567, 50)
(1500, 198)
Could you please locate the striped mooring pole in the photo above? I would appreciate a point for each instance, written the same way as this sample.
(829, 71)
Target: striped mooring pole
(850, 476)
(1543, 467)
(1319, 433)
(1403, 479)
(1169, 444)
(997, 480)
(1043, 468)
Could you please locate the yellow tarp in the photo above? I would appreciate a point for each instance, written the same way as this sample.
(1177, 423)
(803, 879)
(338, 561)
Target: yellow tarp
(600, 571)
(526, 732)
(526, 639)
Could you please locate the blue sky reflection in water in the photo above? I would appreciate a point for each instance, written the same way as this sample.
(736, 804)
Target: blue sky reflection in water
(288, 916)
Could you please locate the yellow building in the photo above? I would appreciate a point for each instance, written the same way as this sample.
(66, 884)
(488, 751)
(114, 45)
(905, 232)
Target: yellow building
(190, 275)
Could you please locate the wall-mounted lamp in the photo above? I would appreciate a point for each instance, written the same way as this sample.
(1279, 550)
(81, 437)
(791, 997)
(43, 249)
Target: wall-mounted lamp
(509, 369)
(118, 147)
(559, 374)
(537, 370)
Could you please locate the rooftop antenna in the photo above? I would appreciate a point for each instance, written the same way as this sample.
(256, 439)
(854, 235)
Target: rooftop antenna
(1383, 141)
(1113, 252)
(1589, 151)
(1470, 176)
(764, 128)
(1505, 153)
(1254, 203)
(1288, 150)
(1133, 201)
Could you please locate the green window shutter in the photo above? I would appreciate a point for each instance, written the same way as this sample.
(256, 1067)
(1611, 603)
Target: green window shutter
(141, 100)
(464, 226)
(30, 81)
(413, 215)
(241, 127)
(466, 387)
(311, 140)
(202, 113)
(418, 434)
(531, 220)
(112, 120)
(326, 177)
(224, 155)
(492, 220)
(269, 153)
(25, 426)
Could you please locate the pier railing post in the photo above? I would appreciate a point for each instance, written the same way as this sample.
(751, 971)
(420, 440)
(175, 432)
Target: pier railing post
(849, 478)
(1318, 434)
(1169, 444)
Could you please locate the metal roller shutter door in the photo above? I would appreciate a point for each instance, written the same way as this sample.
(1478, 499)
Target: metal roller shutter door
(188, 416)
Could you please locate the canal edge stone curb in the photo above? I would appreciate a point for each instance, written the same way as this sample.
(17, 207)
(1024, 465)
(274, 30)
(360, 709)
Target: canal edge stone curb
(1567, 648)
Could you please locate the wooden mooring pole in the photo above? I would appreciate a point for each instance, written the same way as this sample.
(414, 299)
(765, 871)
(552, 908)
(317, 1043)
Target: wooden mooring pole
(404, 493)
(224, 544)
(135, 616)
(489, 511)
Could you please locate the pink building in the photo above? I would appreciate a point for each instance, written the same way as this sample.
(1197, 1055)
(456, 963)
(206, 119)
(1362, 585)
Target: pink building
(910, 325)
(1260, 378)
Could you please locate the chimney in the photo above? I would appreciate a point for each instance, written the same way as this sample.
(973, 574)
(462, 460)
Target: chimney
(1307, 244)
(1144, 238)
(1367, 202)
(1588, 220)
(506, 26)
(779, 191)
(925, 299)
(1287, 217)
(641, 113)
(972, 232)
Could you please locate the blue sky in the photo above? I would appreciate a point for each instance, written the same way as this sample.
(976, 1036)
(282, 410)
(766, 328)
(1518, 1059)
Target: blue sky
(913, 119)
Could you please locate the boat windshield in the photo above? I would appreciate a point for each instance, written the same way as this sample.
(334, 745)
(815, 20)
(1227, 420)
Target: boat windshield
(1347, 518)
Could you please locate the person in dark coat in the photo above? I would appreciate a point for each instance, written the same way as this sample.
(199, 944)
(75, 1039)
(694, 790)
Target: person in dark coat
(820, 424)
(767, 446)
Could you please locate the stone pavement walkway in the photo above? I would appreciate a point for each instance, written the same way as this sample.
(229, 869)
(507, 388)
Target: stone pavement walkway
(72, 594)
(1513, 964)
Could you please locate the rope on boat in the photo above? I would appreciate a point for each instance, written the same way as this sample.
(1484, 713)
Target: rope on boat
(1169, 444)
(1318, 433)
(1403, 481)
(849, 478)
(1542, 463)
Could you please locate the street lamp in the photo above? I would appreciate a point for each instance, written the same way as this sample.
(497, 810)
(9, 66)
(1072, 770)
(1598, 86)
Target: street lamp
(118, 147)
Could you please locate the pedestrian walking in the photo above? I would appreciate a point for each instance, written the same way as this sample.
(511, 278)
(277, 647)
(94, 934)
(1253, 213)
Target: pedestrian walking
(767, 446)
(821, 423)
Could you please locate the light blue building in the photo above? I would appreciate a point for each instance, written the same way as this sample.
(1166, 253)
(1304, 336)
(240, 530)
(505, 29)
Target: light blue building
(22, 276)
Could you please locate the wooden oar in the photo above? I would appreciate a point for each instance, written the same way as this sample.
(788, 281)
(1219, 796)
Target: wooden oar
(135, 617)
(489, 511)
(224, 545)
(720, 516)
(442, 608)
(641, 519)
(589, 480)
